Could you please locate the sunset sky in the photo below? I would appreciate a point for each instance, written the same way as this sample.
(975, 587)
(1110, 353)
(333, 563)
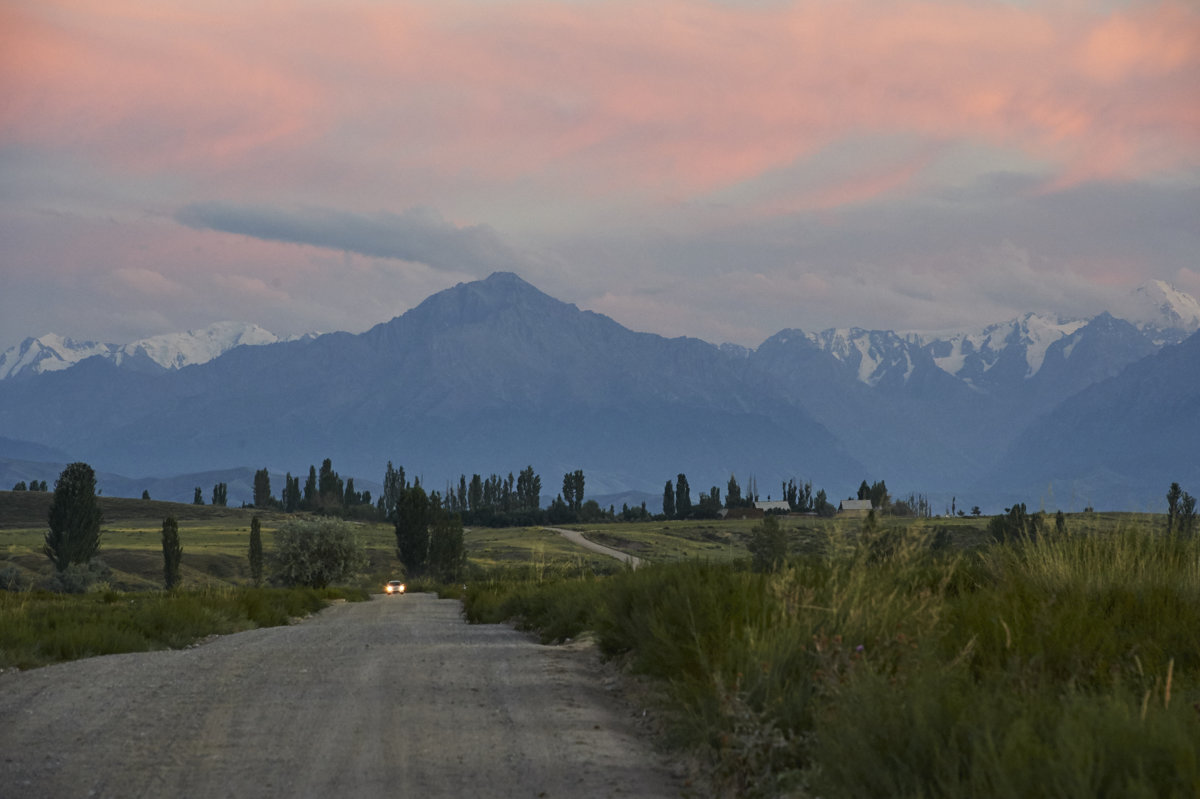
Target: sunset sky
(714, 169)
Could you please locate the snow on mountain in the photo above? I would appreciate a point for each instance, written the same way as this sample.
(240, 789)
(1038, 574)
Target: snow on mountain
(969, 355)
(51, 352)
(177, 350)
(875, 355)
(1160, 305)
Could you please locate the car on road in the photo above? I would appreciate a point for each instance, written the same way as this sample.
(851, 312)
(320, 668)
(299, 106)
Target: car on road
(393, 588)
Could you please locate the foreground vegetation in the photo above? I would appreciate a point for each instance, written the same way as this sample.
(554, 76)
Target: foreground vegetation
(882, 665)
(38, 628)
(912, 657)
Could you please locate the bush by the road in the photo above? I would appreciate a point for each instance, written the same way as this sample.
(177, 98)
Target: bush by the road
(317, 553)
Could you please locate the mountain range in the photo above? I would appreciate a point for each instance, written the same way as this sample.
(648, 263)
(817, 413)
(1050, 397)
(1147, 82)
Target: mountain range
(53, 353)
(494, 375)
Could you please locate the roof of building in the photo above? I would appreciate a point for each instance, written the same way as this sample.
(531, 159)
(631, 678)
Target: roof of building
(777, 504)
(855, 504)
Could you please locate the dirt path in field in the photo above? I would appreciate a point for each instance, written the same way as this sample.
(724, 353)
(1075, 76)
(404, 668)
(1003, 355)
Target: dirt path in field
(577, 538)
(393, 697)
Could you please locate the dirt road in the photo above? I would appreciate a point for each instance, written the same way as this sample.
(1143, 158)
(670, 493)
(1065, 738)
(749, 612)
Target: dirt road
(393, 697)
(577, 538)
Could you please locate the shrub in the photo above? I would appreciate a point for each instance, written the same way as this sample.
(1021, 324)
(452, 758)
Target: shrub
(317, 553)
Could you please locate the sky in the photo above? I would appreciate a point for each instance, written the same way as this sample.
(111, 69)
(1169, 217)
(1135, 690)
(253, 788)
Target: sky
(721, 170)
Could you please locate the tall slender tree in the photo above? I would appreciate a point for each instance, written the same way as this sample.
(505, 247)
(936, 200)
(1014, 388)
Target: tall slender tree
(412, 519)
(683, 497)
(262, 488)
(1173, 496)
(256, 551)
(310, 489)
(733, 493)
(172, 552)
(220, 494)
(669, 500)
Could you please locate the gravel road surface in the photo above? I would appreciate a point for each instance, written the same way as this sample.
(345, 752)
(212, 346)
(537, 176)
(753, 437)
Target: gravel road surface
(393, 697)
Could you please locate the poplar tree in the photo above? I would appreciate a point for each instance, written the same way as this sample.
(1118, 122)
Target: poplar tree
(683, 497)
(669, 500)
(262, 488)
(256, 551)
(172, 552)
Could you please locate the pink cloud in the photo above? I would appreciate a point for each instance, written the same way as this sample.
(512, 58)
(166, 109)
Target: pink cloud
(660, 100)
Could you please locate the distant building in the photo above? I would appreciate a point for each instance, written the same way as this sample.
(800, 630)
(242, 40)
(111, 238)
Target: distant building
(779, 506)
(855, 507)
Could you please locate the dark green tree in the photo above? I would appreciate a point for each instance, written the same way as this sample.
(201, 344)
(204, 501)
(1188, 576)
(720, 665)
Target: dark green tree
(172, 552)
(1187, 515)
(330, 490)
(733, 493)
(577, 476)
(20, 486)
(1173, 496)
(878, 495)
(291, 493)
(198, 497)
(822, 505)
(256, 551)
(394, 484)
(591, 512)
(1060, 523)
(683, 497)
(529, 490)
(262, 489)
(1016, 525)
(74, 518)
(146, 494)
(709, 505)
(220, 494)
(412, 519)
(669, 500)
(568, 491)
(310, 489)
(768, 545)
(447, 553)
(864, 490)
(475, 493)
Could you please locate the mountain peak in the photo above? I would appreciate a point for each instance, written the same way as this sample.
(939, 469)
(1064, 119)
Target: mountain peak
(1157, 303)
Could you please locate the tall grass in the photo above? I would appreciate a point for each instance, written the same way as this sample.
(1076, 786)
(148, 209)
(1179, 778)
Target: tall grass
(886, 665)
(38, 628)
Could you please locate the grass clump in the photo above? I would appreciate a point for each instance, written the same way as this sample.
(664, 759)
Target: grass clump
(888, 664)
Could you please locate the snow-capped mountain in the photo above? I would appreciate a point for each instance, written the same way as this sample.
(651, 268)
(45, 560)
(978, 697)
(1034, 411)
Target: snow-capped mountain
(1000, 358)
(177, 350)
(49, 353)
(53, 353)
(1159, 305)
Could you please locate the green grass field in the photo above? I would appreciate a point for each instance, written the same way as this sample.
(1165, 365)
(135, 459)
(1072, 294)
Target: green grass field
(215, 540)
